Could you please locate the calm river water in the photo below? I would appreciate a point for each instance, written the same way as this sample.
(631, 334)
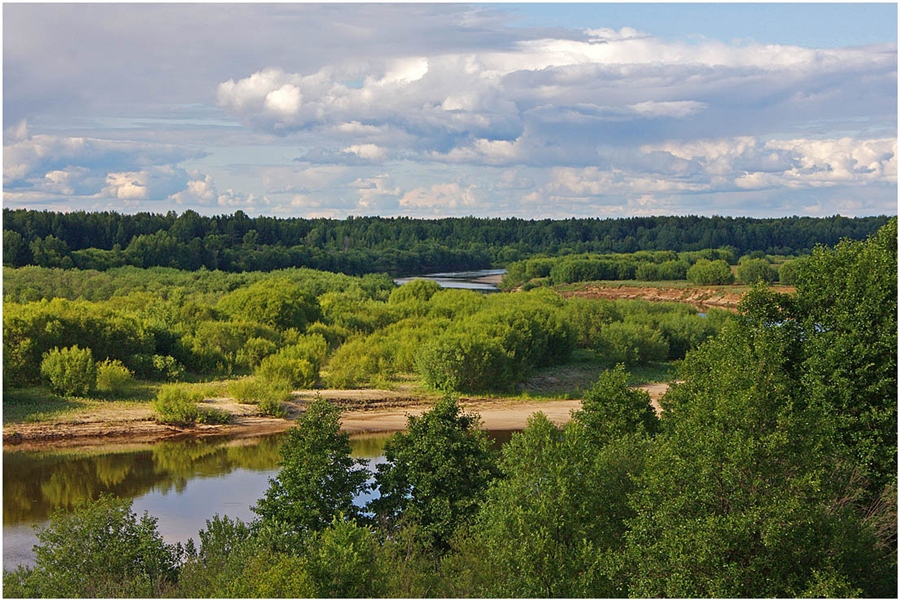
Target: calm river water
(481, 280)
(183, 483)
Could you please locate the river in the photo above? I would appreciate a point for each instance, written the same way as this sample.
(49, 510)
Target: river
(183, 483)
(482, 280)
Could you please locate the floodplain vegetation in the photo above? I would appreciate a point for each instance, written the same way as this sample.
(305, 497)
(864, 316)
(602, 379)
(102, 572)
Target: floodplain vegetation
(770, 472)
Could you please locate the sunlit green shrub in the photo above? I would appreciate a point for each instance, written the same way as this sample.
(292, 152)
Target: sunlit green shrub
(632, 344)
(466, 363)
(269, 395)
(177, 405)
(751, 271)
(113, 378)
(70, 371)
(298, 364)
(710, 273)
(103, 550)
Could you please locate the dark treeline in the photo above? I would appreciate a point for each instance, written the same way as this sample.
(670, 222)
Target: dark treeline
(359, 245)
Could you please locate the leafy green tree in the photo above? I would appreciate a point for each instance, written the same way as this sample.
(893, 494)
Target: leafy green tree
(553, 519)
(435, 474)
(847, 302)
(343, 561)
(15, 250)
(741, 494)
(752, 271)
(631, 343)
(298, 364)
(71, 371)
(611, 409)
(318, 478)
(465, 362)
(276, 302)
(417, 290)
(102, 549)
(113, 378)
(710, 273)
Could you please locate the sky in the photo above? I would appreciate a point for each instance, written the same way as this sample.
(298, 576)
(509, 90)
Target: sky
(442, 110)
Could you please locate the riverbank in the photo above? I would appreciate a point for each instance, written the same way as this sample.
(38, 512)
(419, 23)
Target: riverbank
(363, 411)
(701, 297)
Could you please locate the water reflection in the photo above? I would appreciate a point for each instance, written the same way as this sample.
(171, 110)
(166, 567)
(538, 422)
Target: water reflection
(182, 483)
(466, 280)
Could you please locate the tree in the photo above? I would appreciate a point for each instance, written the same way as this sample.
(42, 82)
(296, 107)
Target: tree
(847, 302)
(551, 521)
(276, 302)
(318, 477)
(611, 409)
(435, 474)
(744, 493)
(710, 273)
(752, 271)
(101, 549)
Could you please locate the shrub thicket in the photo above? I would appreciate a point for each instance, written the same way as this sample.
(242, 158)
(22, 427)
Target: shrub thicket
(70, 371)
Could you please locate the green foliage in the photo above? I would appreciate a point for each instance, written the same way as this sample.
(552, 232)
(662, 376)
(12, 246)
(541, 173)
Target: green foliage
(102, 549)
(739, 497)
(788, 272)
(342, 561)
(277, 302)
(752, 271)
(70, 371)
(435, 474)
(847, 302)
(268, 394)
(178, 405)
(318, 478)
(415, 291)
(710, 273)
(465, 362)
(113, 378)
(550, 521)
(298, 364)
(631, 343)
(611, 409)
(33, 329)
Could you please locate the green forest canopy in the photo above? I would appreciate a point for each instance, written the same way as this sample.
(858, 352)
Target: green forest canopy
(359, 245)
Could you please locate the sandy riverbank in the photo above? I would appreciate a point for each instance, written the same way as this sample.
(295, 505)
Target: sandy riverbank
(364, 411)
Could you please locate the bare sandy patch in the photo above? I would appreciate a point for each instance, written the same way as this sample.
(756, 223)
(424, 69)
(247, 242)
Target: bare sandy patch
(368, 410)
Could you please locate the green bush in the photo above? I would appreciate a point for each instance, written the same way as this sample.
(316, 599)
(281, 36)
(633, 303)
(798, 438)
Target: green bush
(647, 272)
(71, 371)
(178, 406)
(416, 290)
(113, 378)
(751, 271)
(465, 363)
(710, 273)
(269, 395)
(632, 344)
(298, 364)
(103, 550)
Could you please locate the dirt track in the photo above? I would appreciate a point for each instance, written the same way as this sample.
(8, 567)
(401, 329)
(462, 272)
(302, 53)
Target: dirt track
(364, 411)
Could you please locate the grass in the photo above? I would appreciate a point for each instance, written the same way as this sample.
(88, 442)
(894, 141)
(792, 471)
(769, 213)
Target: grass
(37, 404)
(580, 373)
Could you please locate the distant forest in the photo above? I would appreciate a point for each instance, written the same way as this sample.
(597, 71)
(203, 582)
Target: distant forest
(399, 246)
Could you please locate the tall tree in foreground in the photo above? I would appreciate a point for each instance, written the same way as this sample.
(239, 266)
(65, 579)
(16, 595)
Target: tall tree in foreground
(436, 473)
(760, 483)
(318, 477)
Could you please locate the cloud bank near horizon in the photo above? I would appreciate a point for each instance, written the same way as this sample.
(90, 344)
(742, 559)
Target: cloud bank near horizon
(454, 113)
